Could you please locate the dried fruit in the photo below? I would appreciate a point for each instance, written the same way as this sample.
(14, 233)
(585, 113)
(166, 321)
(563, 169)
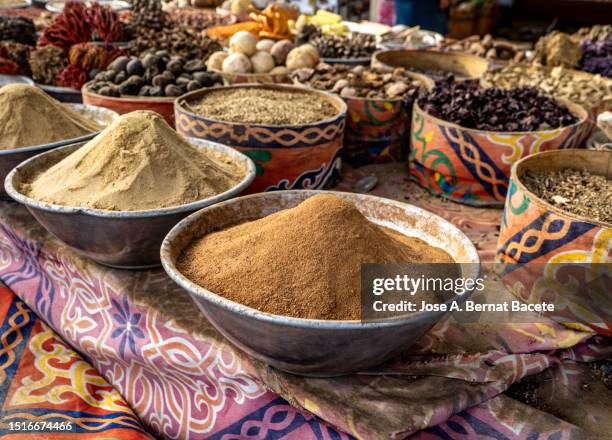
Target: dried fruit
(471, 106)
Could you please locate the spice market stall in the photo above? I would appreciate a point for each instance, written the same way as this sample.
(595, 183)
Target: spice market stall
(183, 255)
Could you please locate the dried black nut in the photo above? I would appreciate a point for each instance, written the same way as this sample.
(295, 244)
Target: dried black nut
(149, 61)
(186, 76)
(160, 81)
(109, 75)
(156, 91)
(100, 76)
(149, 74)
(162, 53)
(135, 81)
(173, 90)
(175, 66)
(193, 85)
(120, 77)
(168, 75)
(109, 91)
(135, 67)
(194, 66)
(181, 81)
(119, 64)
(127, 89)
(96, 86)
(93, 73)
(145, 91)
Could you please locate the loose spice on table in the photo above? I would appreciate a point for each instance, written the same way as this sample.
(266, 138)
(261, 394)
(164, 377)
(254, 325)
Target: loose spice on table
(28, 117)
(302, 262)
(137, 163)
(263, 106)
(576, 191)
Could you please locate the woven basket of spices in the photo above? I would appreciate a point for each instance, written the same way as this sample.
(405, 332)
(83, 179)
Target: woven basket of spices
(556, 236)
(294, 135)
(472, 165)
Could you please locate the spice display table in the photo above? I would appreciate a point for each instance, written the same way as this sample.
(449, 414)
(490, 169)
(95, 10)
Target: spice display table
(145, 336)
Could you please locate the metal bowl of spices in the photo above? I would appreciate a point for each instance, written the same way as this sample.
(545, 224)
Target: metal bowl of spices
(121, 239)
(10, 158)
(312, 346)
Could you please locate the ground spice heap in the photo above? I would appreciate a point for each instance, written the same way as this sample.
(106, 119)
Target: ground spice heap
(263, 106)
(135, 164)
(578, 192)
(303, 262)
(28, 117)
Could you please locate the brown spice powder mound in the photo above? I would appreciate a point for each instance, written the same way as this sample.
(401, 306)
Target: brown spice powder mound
(303, 262)
(577, 192)
(137, 163)
(29, 117)
(263, 106)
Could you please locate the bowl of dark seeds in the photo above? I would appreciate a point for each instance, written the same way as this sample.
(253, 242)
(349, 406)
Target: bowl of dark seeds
(466, 137)
(555, 239)
(151, 81)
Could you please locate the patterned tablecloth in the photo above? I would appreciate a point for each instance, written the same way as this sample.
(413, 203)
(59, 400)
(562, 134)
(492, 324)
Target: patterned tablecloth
(183, 380)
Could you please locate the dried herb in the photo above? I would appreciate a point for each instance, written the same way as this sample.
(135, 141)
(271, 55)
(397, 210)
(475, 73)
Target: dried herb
(578, 192)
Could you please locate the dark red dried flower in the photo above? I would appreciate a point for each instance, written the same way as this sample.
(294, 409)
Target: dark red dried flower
(71, 76)
(79, 24)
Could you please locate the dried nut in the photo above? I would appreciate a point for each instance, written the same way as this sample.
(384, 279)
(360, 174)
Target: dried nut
(173, 90)
(193, 85)
(396, 89)
(348, 92)
(135, 67)
(341, 84)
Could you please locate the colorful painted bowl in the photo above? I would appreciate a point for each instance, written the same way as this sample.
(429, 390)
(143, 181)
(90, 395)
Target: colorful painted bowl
(473, 166)
(540, 245)
(378, 130)
(287, 157)
(126, 104)
(463, 66)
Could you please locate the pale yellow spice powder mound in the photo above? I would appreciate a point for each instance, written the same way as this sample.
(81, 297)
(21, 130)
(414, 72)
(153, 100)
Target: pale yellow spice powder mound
(29, 117)
(137, 163)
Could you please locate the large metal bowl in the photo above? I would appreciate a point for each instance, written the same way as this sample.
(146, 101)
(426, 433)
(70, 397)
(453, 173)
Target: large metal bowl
(306, 346)
(121, 239)
(9, 159)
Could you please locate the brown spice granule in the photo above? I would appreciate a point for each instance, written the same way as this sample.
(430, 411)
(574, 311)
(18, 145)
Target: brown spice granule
(577, 192)
(263, 106)
(302, 262)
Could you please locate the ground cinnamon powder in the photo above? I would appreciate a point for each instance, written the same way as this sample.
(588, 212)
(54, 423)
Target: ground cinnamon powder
(303, 262)
(136, 163)
(29, 117)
